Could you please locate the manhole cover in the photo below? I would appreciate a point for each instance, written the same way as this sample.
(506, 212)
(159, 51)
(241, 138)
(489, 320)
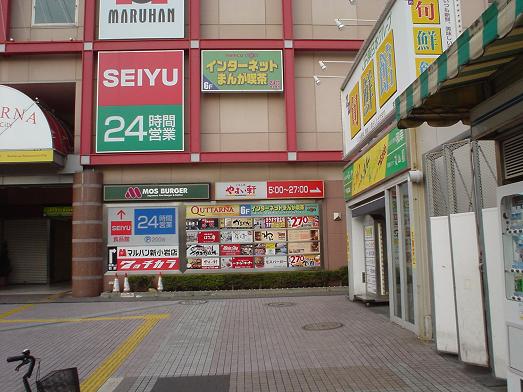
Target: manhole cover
(322, 326)
(281, 304)
(192, 302)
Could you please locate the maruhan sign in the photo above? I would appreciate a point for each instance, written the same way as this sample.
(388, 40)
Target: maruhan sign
(138, 19)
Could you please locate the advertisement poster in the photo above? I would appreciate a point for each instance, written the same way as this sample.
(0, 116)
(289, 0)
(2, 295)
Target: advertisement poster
(137, 19)
(237, 262)
(148, 258)
(277, 222)
(305, 261)
(236, 236)
(385, 159)
(205, 237)
(207, 263)
(270, 262)
(201, 224)
(270, 235)
(242, 70)
(304, 235)
(142, 226)
(296, 209)
(140, 101)
(236, 223)
(201, 250)
(304, 247)
(303, 222)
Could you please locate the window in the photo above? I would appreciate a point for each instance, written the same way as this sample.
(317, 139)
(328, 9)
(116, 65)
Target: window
(54, 11)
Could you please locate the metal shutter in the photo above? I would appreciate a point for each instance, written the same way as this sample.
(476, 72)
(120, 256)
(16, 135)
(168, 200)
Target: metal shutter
(27, 244)
(512, 157)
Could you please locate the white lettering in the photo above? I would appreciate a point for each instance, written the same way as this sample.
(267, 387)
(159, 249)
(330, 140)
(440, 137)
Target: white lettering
(111, 78)
(152, 76)
(135, 77)
(127, 77)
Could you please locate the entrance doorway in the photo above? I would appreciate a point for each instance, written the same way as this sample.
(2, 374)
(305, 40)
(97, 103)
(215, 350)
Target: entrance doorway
(402, 259)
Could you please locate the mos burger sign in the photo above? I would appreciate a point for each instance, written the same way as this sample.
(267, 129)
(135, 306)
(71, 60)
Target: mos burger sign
(137, 19)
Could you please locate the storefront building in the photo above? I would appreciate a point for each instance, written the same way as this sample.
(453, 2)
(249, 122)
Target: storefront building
(389, 258)
(173, 108)
(477, 81)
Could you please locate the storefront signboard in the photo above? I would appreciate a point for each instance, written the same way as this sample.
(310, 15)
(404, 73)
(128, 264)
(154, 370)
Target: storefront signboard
(148, 258)
(406, 42)
(153, 192)
(204, 263)
(139, 19)
(385, 159)
(260, 190)
(140, 101)
(24, 130)
(58, 212)
(242, 71)
(142, 226)
(254, 235)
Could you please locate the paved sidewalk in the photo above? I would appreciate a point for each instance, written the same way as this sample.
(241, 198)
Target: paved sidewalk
(235, 345)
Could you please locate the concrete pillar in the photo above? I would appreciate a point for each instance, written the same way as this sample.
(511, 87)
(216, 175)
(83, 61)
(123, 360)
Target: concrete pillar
(87, 234)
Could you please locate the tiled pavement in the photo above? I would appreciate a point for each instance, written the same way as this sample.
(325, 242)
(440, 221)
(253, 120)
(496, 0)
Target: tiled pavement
(258, 347)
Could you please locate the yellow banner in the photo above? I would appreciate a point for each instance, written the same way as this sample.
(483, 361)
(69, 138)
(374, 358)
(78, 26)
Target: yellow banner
(422, 63)
(371, 167)
(26, 156)
(427, 40)
(386, 63)
(212, 211)
(425, 11)
(368, 85)
(354, 110)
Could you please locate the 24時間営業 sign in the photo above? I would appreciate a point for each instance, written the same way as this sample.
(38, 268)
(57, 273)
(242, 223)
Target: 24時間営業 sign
(140, 101)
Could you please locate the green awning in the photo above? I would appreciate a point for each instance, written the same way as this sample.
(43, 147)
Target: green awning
(446, 92)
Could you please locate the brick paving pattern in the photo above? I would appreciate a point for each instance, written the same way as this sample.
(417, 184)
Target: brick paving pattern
(261, 348)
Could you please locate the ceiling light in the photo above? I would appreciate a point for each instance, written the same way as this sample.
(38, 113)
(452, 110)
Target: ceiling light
(339, 24)
(322, 65)
(316, 80)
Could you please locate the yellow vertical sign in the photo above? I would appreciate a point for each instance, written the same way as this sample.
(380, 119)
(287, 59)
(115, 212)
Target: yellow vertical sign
(386, 63)
(370, 168)
(425, 11)
(354, 110)
(422, 63)
(368, 86)
(427, 40)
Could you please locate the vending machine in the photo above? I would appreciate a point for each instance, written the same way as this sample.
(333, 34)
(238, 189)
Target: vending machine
(510, 199)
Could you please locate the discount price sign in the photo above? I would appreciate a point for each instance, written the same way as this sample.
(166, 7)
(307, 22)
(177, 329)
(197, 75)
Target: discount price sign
(140, 101)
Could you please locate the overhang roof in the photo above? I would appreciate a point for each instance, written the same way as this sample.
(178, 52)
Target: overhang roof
(458, 80)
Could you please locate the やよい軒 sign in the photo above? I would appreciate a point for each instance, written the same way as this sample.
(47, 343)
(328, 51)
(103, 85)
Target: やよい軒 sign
(140, 101)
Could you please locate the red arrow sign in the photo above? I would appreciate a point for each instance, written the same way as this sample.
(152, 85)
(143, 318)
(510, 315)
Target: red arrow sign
(121, 214)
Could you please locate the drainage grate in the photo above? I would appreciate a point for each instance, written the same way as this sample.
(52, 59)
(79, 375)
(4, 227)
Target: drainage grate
(322, 326)
(281, 304)
(192, 302)
(192, 383)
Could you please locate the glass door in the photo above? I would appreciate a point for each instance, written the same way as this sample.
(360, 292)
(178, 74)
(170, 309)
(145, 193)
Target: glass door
(402, 265)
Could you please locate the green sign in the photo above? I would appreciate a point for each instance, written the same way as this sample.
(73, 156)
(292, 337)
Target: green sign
(145, 192)
(386, 158)
(242, 70)
(298, 209)
(58, 212)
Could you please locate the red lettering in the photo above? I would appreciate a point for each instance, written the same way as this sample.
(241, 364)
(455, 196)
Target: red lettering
(5, 112)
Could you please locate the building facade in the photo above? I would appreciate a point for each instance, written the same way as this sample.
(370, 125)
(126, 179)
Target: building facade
(180, 115)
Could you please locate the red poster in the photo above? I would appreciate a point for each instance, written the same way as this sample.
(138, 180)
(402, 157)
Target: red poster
(230, 250)
(295, 190)
(208, 237)
(242, 262)
(121, 227)
(149, 264)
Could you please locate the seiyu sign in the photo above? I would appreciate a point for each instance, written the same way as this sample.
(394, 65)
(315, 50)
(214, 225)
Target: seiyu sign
(137, 19)
(408, 38)
(140, 101)
(139, 226)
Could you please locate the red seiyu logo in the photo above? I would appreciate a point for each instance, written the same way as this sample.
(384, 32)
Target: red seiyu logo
(142, 1)
(133, 192)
